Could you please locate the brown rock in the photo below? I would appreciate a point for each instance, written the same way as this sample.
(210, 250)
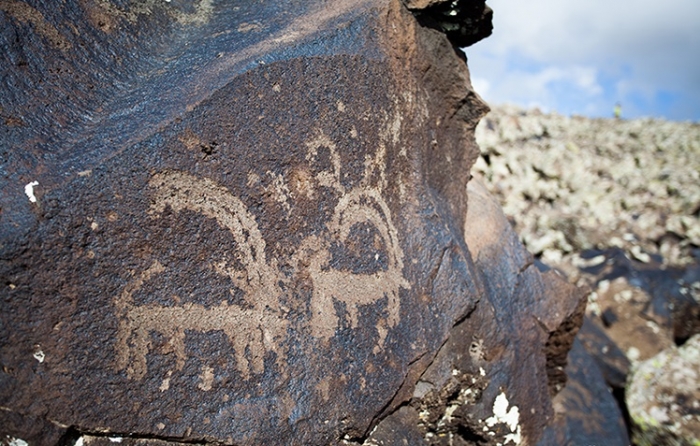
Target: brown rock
(585, 410)
(242, 230)
(30, 430)
(492, 381)
(223, 225)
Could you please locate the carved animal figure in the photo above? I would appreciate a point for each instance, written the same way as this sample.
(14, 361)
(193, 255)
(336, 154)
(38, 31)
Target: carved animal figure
(258, 329)
(261, 326)
(361, 205)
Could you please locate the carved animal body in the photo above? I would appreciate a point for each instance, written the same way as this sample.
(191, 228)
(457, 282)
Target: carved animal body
(251, 328)
(362, 205)
(241, 326)
(261, 326)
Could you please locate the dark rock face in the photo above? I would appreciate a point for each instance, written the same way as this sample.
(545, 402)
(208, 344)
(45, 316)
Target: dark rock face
(464, 22)
(32, 430)
(586, 411)
(611, 361)
(492, 381)
(222, 224)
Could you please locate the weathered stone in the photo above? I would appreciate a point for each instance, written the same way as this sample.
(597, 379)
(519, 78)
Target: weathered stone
(398, 429)
(18, 430)
(586, 413)
(242, 230)
(492, 381)
(611, 361)
(249, 225)
(663, 397)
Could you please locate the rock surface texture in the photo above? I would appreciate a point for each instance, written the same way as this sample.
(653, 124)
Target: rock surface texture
(614, 205)
(249, 225)
(572, 183)
(664, 397)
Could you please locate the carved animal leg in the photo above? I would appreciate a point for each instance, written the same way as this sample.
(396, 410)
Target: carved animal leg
(351, 309)
(123, 350)
(142, 344)
(393, 307)
(240, 342)
(324, 321)
(178, 344)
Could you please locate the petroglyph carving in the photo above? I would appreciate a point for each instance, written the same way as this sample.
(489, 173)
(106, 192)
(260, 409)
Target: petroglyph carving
(363, 204)
(356, 207)
(260, 326)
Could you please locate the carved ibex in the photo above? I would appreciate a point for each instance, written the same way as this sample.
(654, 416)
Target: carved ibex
(362, 204)
(258, 328)
(356, 207)
(261, 326)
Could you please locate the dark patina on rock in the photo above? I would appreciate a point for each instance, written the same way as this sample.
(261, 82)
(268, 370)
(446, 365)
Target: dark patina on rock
(238, 224)
(241, 229)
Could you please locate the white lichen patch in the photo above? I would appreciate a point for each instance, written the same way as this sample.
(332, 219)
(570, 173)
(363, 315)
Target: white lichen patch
(38, 354)
(633, 354)
(424, 415)
(448, 416)
(477, 350)
(12, 441)
(510, 418)
(29, 190)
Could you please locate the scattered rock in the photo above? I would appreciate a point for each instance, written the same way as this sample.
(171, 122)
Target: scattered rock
(663, 397)
(611, 360)
(574, 183)
(613, 205)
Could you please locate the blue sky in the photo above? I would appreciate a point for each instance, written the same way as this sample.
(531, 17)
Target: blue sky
(583, 57)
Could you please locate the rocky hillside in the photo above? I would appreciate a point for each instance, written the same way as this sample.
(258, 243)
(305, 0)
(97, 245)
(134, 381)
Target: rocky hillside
(614, 205)
(573, 183)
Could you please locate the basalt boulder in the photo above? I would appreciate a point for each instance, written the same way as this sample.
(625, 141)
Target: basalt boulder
(663, 397)
(249, 224)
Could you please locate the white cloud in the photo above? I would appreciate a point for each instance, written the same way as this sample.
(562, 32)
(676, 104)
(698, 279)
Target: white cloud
(630, 50)
(481, 85)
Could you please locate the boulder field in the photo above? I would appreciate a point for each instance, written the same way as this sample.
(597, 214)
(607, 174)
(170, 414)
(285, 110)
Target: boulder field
(613, 205)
